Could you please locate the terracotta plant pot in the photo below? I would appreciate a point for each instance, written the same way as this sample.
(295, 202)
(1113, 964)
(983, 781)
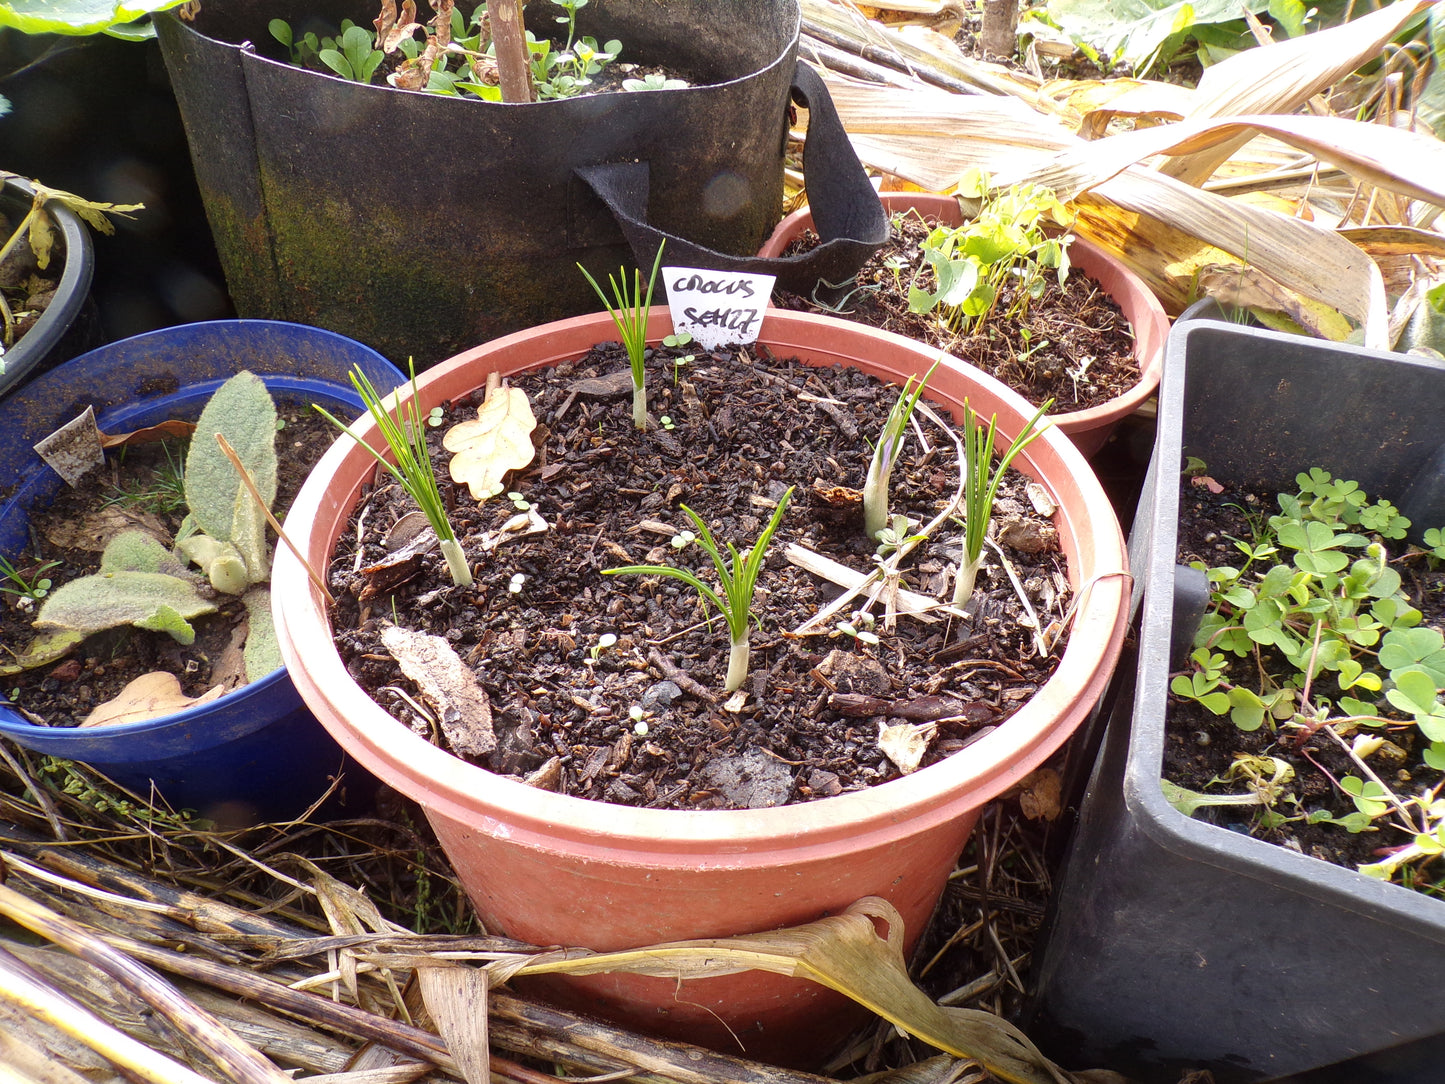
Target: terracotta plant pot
(1088, 429)
(553, 869)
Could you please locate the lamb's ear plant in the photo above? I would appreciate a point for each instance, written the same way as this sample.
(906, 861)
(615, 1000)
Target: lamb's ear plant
(885, 454)
(405, 434)
(630, 316)
(142, 583)
(981, 482)
(738, 574)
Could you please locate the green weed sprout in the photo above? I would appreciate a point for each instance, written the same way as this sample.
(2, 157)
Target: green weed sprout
(630, 316)
(405, 433)
(885, 454)
(33, 587)
(1004, 240)
(739, 575)
(981, 482)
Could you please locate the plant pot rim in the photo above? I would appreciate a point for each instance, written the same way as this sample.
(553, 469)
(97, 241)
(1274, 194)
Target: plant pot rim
(584, 104)
(513, 809)
(1147, 318)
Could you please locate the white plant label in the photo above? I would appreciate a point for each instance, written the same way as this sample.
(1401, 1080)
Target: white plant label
(717, 308)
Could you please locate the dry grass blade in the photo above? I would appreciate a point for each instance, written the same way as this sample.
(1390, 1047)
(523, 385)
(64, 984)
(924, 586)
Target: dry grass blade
(456, 997)
(843, 952)
(241, 1063)
(22, 986)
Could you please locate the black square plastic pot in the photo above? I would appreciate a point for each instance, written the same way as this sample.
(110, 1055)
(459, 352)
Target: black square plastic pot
(1175, 943)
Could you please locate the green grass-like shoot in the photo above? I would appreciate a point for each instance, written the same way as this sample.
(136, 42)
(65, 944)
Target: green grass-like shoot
(630, 316)
(405, 434)
(981, 482)
(885, 454)
(738, 574)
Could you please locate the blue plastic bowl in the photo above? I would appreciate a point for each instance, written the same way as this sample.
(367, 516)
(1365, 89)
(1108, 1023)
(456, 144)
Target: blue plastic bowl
(254, 754)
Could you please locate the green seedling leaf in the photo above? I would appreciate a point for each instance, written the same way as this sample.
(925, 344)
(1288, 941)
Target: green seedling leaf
(221, 504)
(1318, 547)
(1369, 797)
(1423, 648)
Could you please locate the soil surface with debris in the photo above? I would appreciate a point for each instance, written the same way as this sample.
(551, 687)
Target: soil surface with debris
(131, 491)
(1200, 747)
(643, 721)
(1073, 344)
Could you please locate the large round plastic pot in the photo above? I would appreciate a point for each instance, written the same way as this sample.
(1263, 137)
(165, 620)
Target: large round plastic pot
(423, 223)
(257, 752)
(1090, 428)
(56, 335)
(553, 869)
(1177, 943)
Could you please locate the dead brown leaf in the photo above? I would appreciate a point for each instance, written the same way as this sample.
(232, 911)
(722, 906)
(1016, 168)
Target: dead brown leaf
(147, 697)
(498, 440)
(448, 686)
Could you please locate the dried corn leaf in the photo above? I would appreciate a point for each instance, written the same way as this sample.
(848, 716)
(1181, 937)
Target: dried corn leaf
(1280, 77)
(929, 137)
(498, 440)
(842, 952)
(1409, 163)
(456, 998)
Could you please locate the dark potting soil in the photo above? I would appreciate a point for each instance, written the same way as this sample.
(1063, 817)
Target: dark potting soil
(1200, 746)
(644, 721)
(1073, 345)
(73, 530)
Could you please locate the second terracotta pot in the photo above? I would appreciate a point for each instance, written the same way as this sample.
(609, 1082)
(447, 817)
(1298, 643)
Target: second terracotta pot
(553, 869)
(1090, 428)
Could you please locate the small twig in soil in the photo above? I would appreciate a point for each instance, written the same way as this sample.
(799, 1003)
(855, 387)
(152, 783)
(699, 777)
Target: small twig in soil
(681, 678)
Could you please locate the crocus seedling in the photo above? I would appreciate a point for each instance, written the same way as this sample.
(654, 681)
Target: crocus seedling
(739, 575)
(981, 482)
(630, 316)
(405, 434)
(885, 454)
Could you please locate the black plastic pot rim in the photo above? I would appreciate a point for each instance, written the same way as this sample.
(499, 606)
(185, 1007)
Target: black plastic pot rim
(1200, 841)
(70, 292)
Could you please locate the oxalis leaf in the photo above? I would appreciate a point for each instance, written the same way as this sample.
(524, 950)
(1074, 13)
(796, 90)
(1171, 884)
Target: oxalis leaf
(498, 440)
(842, 952)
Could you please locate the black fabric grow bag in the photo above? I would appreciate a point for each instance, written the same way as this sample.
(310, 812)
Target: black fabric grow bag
(423, 224)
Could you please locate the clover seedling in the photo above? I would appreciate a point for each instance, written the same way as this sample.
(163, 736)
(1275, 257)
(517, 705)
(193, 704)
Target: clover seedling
(739, 575)
(630, 316)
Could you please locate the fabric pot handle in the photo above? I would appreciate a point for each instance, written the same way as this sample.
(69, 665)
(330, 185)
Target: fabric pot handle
(847, 214)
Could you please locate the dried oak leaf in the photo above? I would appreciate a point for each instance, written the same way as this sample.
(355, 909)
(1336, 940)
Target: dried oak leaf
(147, 697)
(498, 440)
